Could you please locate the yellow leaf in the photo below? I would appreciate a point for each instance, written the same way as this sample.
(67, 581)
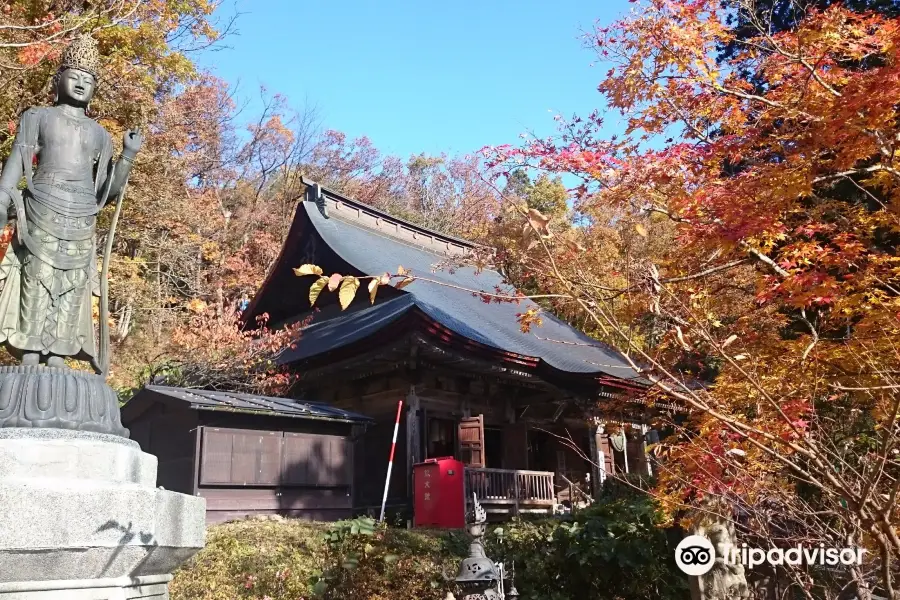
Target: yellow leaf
(196, 305)
(349, 285)
(373, 289)
(333, 281)
(316, 288)
(401, 271)
(642, 231)
(308, 270)
(402, 284)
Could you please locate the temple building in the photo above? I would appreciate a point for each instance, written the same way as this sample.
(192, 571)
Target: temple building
(523, 410)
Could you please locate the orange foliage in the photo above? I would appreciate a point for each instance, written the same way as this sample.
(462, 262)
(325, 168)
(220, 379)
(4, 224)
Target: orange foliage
(756, 249)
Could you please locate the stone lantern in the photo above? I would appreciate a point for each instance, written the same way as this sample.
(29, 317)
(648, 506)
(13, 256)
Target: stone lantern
(479, 577)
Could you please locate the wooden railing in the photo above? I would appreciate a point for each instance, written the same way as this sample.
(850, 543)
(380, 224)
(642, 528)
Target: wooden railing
(515, 488)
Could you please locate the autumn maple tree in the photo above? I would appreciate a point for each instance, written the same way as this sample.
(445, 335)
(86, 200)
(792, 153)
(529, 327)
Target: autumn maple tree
(739, 244)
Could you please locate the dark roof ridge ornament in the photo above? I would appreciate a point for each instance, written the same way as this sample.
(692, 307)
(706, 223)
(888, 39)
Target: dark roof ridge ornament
(318, 194)
(314, 194)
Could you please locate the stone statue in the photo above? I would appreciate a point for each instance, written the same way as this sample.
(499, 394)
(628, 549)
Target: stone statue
(89, 522)
(724, 581)
(51, 270)
(49, 273)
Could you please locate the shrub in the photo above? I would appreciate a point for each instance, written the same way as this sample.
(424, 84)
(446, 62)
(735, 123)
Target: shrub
(252, 560)
(613, 550)
(368, 562)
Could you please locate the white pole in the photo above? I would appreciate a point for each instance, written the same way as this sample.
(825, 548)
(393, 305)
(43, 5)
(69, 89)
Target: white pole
(387, 480)
(644, 430)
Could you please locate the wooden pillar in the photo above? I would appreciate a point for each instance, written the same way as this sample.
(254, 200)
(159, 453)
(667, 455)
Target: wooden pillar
(601, 458)
(596, 462)
(413, 446)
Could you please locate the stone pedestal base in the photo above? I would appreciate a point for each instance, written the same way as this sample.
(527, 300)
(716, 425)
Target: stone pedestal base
(154, 587)
(48, 397)
(81, 518)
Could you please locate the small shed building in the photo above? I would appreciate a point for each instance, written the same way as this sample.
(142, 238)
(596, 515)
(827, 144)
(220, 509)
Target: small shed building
(249, 455)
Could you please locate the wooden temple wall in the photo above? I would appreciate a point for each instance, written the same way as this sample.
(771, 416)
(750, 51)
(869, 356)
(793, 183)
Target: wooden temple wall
(432, 409)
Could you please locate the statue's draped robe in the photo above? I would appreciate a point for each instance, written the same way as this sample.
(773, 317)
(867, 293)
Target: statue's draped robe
(50, 270)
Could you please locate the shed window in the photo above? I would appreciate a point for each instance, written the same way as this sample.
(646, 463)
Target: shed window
(238, 456)
(274, 458)
(310, 459)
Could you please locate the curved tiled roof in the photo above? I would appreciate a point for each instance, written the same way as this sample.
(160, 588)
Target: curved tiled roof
(374, 243)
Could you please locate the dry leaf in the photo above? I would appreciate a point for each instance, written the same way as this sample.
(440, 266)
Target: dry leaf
(573, 244)
(680, 337)
(385, 279)
(540, 222)
(642, 231)
(316, 288)
(196, 305)
(401, 271)
(334, 281)
(730, 340)
(373, 289)
(402, 284)
(349, 285)
(308, 270)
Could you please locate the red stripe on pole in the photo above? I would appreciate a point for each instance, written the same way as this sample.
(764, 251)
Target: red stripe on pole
(396, 428)
(387, 479)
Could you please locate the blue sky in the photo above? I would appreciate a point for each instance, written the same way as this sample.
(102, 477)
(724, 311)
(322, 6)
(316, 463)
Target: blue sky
(421, 76)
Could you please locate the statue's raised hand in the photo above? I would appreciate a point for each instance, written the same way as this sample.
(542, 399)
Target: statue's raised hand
(132, 142)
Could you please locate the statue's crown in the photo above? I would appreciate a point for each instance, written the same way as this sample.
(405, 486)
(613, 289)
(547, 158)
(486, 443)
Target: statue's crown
(82, 54)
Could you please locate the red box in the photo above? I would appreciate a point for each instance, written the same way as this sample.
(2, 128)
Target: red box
(438, 494)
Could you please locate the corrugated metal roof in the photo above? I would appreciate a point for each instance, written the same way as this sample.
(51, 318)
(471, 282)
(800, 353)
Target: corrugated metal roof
(233, 401)
(496, 325)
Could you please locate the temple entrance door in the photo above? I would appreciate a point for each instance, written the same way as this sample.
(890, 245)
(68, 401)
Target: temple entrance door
(493, 448)
(471, 441)
(440, 438)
